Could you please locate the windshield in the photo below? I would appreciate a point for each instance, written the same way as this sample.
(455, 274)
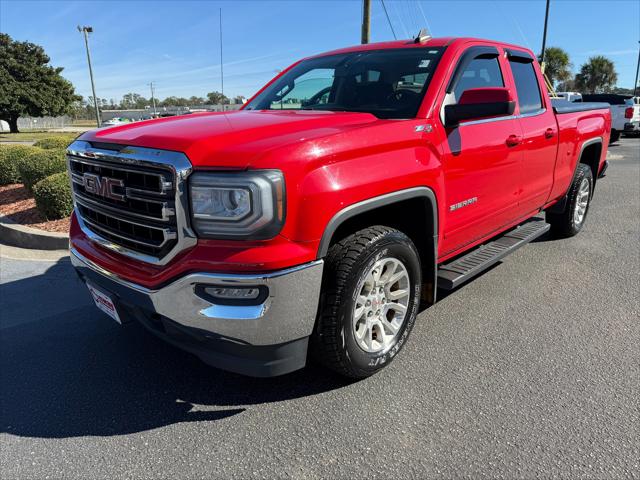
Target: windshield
(386, 83)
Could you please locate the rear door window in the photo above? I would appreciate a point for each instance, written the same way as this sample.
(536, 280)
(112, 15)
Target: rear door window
(526, 86)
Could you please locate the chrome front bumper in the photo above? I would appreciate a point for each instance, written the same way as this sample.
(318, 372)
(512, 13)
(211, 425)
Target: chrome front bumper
(287, 314)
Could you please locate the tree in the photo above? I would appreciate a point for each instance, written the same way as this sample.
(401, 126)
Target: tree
(557, 66)
(216, 98)
(598, 75)
(133, 100)
(567, 86)
(29, 85)
(174, 102)
(195, 101)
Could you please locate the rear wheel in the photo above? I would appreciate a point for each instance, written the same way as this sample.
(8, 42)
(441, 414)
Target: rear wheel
(570, 222)
(369, 303)
(615, 136)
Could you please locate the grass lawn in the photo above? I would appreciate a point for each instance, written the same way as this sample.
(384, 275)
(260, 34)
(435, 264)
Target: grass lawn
(32, 136)
(84, 123)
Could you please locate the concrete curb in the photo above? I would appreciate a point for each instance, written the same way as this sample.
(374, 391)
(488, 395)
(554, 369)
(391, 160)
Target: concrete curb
(14, 234)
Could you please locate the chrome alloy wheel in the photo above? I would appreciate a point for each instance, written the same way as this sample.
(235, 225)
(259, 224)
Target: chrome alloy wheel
(381, 305)
(582, 202)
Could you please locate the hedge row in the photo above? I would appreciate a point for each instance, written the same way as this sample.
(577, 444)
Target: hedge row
(43, 173)
(10, 157)
(40, 164)
(53, 196)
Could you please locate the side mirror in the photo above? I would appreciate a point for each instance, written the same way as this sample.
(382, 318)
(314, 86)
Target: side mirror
(479, 103)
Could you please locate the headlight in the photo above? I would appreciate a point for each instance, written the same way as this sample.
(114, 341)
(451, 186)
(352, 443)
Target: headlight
(237, 205)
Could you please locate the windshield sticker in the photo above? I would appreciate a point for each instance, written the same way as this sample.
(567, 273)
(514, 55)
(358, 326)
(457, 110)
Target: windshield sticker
(424, 63)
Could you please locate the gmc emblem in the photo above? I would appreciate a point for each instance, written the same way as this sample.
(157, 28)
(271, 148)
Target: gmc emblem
(102, 186)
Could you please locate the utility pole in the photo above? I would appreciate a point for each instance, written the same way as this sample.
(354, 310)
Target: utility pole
(221, 67)
(153, 101)
(366, 20)
(635, 84)
(544, 35)
(86, 31)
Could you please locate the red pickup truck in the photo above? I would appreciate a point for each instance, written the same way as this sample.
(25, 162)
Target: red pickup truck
(316, 221)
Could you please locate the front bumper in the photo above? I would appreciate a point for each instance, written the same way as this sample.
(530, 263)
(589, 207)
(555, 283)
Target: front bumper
(259, 340)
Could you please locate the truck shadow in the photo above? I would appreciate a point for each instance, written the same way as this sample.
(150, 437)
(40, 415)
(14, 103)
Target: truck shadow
(68, 370)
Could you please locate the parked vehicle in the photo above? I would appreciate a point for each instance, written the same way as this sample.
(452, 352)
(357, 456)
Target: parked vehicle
(632, 116)
(293, 227)
(570, 96)
(618, 105)
(115, 121)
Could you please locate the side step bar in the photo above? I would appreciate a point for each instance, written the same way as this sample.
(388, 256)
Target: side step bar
(458, 271)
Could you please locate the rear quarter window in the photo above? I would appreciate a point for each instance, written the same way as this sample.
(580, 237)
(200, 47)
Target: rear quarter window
(527, 86)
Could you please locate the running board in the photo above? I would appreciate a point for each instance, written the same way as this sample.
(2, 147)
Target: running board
(453, 274)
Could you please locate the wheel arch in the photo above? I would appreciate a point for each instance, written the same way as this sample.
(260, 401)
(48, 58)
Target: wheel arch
(413, 211)
(590, 152)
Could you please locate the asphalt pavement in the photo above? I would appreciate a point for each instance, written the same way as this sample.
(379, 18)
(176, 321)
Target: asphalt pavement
(530, 370)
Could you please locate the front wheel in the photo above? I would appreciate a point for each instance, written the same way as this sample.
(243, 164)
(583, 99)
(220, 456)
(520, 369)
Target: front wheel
(570, 222)
(369, 301)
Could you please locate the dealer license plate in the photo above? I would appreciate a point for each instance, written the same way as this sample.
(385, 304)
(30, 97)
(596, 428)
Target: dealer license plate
(104, 302)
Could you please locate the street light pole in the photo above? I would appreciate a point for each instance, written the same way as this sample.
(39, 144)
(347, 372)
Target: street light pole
(221, 66)
(86, 31)
(153, 101)
(635, 84)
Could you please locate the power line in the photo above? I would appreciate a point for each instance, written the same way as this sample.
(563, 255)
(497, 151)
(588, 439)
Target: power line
(424, 17)
(404, 27)
(388, 19)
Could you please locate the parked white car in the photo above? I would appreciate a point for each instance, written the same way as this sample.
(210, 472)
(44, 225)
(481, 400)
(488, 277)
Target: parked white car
(570, 96)
(632, 116)
(115, 121)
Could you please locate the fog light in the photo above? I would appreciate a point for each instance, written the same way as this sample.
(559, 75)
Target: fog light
(239, 296)
(224, 293)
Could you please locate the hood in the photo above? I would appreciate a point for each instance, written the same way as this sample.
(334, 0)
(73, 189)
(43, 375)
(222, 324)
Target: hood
(231, 139)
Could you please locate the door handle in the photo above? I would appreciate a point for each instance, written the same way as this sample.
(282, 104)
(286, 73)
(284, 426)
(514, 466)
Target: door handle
(513, 140)
(549, 133)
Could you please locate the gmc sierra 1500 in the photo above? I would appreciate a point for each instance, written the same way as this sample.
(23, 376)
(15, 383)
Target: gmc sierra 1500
(342, 196)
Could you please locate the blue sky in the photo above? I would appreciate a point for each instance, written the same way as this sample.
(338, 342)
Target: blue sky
(176, 43)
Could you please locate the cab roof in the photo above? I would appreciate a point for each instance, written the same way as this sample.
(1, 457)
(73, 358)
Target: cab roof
(432, 42)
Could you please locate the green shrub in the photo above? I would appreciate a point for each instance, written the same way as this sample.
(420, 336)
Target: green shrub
(49, 143)
(41, 164)
(53, 196)
(10, 157)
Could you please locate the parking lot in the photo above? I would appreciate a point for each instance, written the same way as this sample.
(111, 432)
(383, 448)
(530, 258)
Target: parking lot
(532, 369)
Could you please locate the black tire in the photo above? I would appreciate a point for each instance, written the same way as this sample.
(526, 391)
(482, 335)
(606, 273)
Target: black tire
(563, 224)
(615, 136)
(334, 343)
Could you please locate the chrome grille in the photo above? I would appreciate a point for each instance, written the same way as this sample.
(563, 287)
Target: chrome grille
(144, 213)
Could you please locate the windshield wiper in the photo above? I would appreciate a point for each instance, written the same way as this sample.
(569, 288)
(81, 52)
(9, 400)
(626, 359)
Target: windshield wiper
(323, 107)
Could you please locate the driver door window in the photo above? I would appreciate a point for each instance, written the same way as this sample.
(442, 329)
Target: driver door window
(480, 73)
(312, 88)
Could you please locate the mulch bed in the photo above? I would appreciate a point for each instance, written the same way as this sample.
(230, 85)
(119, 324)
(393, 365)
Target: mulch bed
(19, 206)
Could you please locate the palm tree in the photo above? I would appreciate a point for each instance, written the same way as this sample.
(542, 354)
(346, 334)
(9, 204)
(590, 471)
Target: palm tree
(598, 75)
(557, 66)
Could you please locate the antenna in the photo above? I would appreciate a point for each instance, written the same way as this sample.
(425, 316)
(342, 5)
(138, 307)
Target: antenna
(422, 37)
